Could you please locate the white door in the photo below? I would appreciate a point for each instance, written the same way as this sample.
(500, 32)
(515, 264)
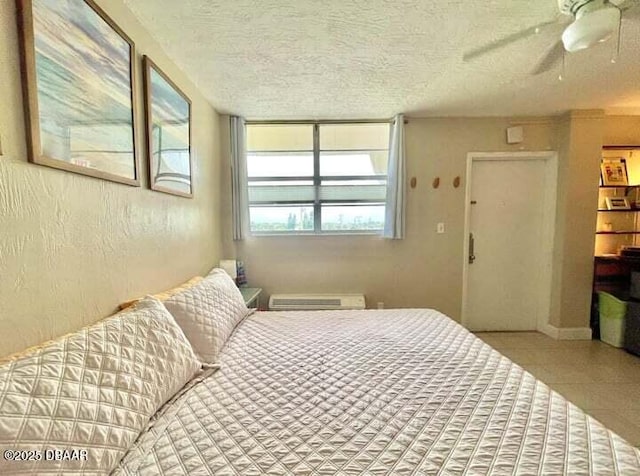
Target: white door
(506, 220)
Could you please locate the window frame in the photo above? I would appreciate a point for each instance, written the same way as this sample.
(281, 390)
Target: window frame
(317, 179)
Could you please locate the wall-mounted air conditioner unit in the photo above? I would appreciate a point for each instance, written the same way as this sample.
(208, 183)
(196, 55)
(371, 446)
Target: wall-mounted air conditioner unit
(306, 302)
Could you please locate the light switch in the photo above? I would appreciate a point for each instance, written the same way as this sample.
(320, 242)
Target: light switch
(440, 228)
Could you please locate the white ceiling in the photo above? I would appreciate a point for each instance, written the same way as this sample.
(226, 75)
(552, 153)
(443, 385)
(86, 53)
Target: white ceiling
(289, 59)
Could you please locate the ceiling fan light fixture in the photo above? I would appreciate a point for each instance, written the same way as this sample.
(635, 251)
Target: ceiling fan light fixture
(591, 27)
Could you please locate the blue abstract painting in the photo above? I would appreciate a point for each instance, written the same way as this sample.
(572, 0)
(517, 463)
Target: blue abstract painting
(84, 89)
(169, 121)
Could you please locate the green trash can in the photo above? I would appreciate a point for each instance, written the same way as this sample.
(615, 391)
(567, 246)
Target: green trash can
(612, 318)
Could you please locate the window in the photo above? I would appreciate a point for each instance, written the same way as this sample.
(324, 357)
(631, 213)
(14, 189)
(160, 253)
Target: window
(318, 177)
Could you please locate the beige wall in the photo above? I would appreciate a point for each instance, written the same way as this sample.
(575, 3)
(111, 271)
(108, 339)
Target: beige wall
(580, 136)
(73, 247)
(423, 270)
(622, 130)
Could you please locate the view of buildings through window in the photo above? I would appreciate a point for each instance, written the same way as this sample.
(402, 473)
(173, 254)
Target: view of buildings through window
(314, 178)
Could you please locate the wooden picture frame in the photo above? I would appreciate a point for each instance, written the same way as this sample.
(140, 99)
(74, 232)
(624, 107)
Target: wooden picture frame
(168, 132)
(614, 172)
(78, 75)
(617, 203)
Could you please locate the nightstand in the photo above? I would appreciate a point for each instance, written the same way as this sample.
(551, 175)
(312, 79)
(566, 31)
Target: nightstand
(251, 297)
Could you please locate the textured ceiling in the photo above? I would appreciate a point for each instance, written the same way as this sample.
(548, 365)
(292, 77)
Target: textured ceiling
(276, 59)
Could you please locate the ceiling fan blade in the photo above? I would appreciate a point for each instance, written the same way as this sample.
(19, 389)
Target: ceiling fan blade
(551, 59)
(494, 45)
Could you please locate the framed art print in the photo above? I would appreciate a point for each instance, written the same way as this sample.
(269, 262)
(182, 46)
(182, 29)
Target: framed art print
(168, 113)
(617, 203)
(78, 76)
(614, 172)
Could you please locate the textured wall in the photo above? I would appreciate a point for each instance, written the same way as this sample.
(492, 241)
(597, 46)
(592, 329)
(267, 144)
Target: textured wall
(73, 247)
(423, 270)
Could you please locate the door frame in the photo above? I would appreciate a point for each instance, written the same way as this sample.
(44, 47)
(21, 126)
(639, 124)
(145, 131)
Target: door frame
(548, 219)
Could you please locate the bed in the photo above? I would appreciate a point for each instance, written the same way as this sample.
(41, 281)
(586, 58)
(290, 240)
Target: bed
(371, 393)
(194, 383)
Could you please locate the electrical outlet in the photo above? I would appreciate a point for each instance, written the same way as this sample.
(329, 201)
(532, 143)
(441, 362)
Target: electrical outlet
(440, 228)
(380, 305)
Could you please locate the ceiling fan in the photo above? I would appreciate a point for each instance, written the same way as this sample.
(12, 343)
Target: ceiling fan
(594, 21)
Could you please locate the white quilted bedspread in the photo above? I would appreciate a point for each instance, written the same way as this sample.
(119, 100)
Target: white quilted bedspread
(372, 392)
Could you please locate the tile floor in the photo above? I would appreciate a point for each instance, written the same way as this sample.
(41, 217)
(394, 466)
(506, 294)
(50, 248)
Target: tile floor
(600, 379)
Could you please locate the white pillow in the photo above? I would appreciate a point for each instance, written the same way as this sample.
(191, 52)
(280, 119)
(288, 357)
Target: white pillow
(208, 312)
(93, 390)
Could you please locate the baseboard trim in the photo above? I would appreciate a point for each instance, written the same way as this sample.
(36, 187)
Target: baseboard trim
(566, 333)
